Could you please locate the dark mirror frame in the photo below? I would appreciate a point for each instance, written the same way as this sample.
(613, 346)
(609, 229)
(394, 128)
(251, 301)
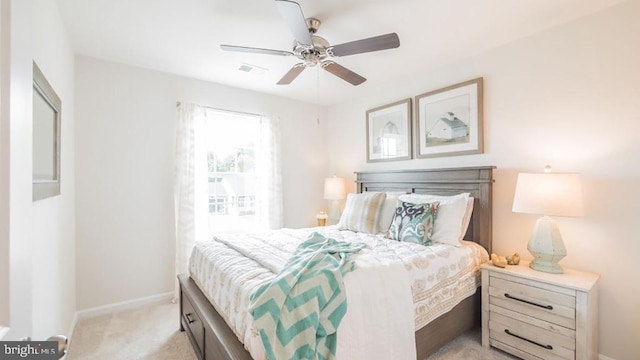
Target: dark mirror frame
(44, 188)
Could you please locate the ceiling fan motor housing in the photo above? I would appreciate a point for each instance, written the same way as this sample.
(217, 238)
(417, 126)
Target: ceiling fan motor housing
(311, 56)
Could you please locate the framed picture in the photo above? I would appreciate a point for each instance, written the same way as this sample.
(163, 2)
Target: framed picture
(449, 121)
(389, 132)
(46, 138)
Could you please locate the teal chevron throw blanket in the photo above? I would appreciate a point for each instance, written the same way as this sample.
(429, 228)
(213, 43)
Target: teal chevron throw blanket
(298, 313)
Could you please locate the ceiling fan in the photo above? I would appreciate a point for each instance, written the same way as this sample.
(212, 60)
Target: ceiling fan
(314, 50)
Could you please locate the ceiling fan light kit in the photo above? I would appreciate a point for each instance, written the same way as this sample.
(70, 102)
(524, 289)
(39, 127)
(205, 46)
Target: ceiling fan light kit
(314, 50)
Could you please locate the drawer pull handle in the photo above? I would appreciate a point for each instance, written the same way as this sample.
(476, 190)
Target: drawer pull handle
(548, 347)
(189, 319)
(548, 307)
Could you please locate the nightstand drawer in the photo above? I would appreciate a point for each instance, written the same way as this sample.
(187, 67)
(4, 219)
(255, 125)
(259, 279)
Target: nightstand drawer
(533, 335)
(538, 342)
(538, 300)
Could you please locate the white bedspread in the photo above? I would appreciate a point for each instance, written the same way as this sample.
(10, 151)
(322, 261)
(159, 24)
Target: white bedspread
(378, 324)
(415, 284)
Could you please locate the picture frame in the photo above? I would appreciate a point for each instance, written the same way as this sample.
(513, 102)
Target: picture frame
(389, 132)
(47, 108)
(449, 121)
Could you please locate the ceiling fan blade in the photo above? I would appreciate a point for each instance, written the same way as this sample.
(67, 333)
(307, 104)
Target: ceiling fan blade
(255, 50)
(293, 16)
(343, 73)
(291, 74)
(382, 42)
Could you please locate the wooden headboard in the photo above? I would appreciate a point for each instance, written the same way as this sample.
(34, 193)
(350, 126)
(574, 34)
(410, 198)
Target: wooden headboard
(477, 181)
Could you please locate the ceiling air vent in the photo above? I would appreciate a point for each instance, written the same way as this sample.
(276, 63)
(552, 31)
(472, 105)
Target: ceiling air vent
(248, 68)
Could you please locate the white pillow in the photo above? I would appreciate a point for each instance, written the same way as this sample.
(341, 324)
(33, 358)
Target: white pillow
(388, 211)
(450, 226)
(467, 218)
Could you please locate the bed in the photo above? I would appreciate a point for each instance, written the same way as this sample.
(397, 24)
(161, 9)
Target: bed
(212, 338)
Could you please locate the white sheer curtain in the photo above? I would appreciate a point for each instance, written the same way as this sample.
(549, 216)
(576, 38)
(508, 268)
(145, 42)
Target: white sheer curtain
(269, 203)
(191, 181)
(190, 193)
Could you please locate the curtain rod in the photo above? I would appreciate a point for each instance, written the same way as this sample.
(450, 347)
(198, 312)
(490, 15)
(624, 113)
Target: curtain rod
(224, 110)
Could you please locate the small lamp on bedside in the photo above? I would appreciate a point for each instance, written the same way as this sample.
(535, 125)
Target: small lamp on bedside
(548, 194)
(321, 218)
(334, 190)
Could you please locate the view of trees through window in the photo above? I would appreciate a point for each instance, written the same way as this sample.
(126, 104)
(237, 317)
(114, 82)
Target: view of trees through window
(243, 160)
(231, 141)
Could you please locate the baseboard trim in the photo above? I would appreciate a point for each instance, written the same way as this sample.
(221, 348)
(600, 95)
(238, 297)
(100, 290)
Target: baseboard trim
(121, 306)
(602, 357)
(72, 329)
(3, 331)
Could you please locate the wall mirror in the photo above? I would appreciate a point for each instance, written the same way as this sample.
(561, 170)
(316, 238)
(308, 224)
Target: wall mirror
(46, 138)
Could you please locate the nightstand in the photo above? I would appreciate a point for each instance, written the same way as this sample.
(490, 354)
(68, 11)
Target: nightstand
(537, 315)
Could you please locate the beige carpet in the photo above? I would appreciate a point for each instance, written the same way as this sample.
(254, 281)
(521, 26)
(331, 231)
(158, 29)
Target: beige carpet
(469, 346)
(153, 333)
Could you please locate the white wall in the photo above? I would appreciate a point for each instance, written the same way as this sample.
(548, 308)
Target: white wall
(40, 268)
(125, 144)
(53, 219)
(16, 161)
(566, 97)
(39, 237)
(5, 189)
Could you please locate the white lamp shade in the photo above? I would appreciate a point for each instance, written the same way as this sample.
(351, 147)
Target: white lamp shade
(549, 194)
(334, 188)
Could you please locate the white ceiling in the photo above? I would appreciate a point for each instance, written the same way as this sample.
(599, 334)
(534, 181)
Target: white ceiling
(183, 36)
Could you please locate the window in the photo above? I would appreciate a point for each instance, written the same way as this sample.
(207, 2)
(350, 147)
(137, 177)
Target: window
(227, 175)
(231, 141)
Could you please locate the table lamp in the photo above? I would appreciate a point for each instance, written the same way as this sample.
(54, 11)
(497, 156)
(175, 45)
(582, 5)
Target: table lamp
(548, 194)
(334, 190)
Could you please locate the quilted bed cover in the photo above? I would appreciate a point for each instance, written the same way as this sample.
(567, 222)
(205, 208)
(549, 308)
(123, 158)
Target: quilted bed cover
(396, 288)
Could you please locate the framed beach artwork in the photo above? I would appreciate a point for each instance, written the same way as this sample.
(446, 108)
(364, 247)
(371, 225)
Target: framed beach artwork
(389, 132)
(449, 121)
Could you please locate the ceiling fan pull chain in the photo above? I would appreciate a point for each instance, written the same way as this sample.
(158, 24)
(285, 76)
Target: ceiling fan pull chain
(318, 96)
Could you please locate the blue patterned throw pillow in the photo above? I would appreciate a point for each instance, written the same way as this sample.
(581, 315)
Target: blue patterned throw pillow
(413, 222)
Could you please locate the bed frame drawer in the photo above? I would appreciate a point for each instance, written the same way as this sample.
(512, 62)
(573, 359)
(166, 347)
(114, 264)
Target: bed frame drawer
(212, 339)
(192, 323)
